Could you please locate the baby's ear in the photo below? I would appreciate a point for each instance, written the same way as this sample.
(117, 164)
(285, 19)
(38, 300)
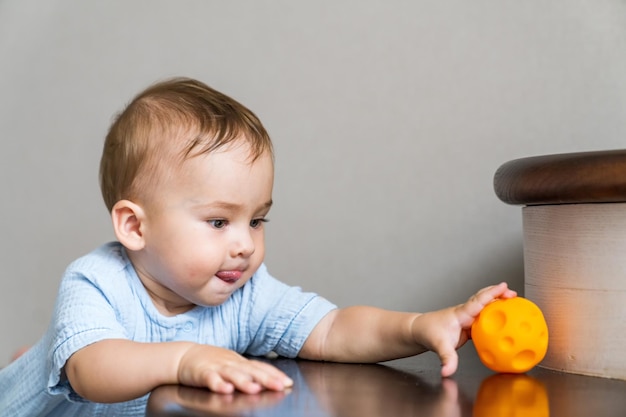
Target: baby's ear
(127, 224)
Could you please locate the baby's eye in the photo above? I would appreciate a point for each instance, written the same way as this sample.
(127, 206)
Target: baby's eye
(218, 224)
(256, 223)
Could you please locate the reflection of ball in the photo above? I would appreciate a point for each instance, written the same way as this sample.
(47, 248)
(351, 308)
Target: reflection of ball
(511, 395)
(510, 335)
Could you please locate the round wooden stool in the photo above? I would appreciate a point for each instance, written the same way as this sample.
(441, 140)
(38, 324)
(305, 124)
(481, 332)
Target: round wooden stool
(574, 226)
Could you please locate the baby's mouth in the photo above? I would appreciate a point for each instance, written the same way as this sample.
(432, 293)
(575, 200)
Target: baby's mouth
(229, 276)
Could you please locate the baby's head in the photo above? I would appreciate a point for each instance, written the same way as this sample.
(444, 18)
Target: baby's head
(187, 174)
(166, 124)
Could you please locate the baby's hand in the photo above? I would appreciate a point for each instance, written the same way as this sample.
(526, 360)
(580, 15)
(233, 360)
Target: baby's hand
(224, 371)
(446, 330)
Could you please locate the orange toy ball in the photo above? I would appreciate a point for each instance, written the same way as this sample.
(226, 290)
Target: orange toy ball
(510, 335)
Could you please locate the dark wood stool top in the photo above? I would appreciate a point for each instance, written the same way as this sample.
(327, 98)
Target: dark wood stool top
(569, 178)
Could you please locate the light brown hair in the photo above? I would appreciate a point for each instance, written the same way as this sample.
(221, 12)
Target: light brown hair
(177, 118)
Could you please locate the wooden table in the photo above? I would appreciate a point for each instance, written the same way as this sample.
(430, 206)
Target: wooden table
(407, 387)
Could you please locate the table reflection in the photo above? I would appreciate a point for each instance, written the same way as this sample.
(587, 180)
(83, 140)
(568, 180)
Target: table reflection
(504, 395)
(325, 390)
(178, 400)
(349, 390)
(408, 387)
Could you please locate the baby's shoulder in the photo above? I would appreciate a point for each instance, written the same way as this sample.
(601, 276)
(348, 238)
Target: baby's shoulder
(109, 257)
(104, 265)
(99, 278)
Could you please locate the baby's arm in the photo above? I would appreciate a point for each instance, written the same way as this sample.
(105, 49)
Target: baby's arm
(367, 334)
(117, 370)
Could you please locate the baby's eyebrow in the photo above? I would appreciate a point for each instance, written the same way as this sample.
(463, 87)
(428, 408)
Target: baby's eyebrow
(266, 206)
(233, 206)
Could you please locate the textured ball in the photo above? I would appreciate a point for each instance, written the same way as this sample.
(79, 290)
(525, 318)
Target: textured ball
(510, 335)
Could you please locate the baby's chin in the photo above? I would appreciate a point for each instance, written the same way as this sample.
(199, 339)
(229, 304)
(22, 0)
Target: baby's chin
(218, 294)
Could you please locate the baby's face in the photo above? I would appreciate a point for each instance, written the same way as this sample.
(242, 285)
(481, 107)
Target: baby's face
(204, 231)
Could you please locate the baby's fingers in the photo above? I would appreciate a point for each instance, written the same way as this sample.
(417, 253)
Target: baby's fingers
(252, 378)
(219, 382)
(478, 301)
(270, 377)
(449, 362)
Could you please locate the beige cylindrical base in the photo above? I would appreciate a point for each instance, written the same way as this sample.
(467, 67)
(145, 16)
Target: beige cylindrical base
(575, 271)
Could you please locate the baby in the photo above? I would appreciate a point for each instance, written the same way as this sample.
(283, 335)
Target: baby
(187, 175)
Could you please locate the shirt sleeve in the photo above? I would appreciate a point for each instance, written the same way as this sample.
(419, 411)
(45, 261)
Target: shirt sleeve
(280, 317)
(83, 315)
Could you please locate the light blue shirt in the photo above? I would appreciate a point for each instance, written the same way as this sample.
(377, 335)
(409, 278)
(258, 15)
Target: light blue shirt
(101, 297)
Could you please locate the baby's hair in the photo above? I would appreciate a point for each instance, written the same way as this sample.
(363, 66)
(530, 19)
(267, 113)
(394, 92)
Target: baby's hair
(174, 119)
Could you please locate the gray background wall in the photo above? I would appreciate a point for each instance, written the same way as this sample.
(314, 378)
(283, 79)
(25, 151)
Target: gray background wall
(389, 120)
